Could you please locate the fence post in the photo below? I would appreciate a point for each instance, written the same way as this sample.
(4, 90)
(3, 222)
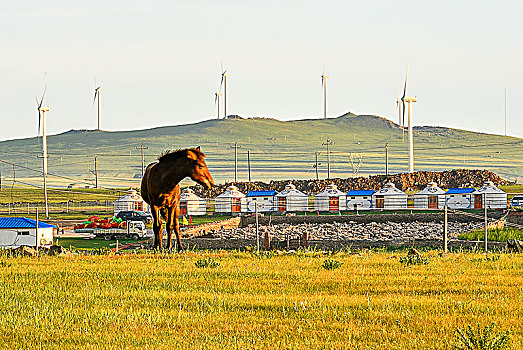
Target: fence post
(486, 224)
(257, 229)
(445, 230)
(267, 240)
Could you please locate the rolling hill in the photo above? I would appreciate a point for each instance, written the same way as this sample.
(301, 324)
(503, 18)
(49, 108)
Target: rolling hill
(277, 150)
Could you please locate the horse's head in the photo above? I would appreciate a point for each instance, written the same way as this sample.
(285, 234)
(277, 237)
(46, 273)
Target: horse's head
(198, 169)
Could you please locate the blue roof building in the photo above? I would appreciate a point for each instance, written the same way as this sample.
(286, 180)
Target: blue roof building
(460, 190)
(21, 222)
(20, 231)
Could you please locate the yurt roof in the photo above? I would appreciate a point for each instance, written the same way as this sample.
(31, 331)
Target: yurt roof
(269, 193)
(130, 196)
(431, 189)
(330, 190)
(488, 187)
(188, 193)
(291, 191)
(231, 192)
(360, 193)
(460, 190)
(390, 190)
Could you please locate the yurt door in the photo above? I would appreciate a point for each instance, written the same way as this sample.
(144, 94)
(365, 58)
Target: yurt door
(282, 204)
(478, 201)
(380, 202)
(183, 208)
(333, 203)
(433, 202)
(236, 206)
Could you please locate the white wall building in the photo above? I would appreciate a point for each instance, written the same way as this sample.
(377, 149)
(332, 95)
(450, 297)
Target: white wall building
(20, 231)
(191, 204)
(130, 201)
(431, 197)
(291, 200)
(229, 201)
(389, 197)
(264, 200)
(459, 198)
(359, 199)
(330, 199)
(496, 198)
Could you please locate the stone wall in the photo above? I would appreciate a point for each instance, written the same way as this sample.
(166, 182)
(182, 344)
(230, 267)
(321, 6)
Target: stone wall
(204, 229)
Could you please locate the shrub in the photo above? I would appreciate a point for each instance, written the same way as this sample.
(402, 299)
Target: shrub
(414, 260)
(331, 264)
(207, 263)
(468, 339)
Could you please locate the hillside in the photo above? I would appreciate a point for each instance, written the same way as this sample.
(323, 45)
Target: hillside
(278, 150)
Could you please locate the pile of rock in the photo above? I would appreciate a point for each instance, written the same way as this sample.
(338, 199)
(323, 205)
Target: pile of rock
(341, 231)
(404, 181)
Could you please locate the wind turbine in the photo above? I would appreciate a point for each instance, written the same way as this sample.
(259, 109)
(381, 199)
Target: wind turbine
(42, 122)
(409, 100)
(97, 93)
(217, 102)
(224, 82)
(324, 86)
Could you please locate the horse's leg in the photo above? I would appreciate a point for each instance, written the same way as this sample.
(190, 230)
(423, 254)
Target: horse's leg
(177, 226)
(157, 227)
(169, 228)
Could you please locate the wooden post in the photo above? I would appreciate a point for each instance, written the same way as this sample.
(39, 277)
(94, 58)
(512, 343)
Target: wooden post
(267, 240)
(304, 239)
(249, 164)
(445, 230)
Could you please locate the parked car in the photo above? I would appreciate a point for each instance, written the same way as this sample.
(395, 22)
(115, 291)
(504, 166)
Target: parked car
(517, 201)
(133, 215)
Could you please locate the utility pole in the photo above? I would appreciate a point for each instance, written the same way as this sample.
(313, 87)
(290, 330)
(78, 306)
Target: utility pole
(142, 148)
(387, 158)
(445, 229)
(328, 143)
(0, 176)
(249, 164)
(236, 160)
(96, 171)
(316, 166)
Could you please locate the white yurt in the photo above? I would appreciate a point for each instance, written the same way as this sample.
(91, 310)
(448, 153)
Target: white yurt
(389, 197)
(291, 200)
(191, 204)
(431, 197)
(330, 199)
(264, 200)
(459, 198)
(495, 198)
(359, 199)
(229, 201)
(130, 201)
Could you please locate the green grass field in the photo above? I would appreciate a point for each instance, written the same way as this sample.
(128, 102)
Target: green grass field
(278, 150)
(164, 301)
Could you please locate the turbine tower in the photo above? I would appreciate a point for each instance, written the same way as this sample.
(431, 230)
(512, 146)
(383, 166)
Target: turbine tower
(217, 102)
(409, 100)
(324, 86)
(42, 122)
(224, 83)
(97, 93)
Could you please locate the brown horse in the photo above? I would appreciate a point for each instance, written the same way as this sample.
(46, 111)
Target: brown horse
(160, 188)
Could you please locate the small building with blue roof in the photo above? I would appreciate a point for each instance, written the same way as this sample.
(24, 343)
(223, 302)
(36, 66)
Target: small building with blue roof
(359, 199)
(21, 231)
(459, 198)
(263, 199)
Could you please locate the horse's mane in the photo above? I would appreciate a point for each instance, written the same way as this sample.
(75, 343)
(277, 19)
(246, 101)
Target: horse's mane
(172, 155)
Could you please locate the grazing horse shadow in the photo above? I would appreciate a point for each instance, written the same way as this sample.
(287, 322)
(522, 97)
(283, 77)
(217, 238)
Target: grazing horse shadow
(161, 190)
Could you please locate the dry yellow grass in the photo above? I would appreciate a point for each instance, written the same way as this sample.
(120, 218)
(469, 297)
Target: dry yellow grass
(288, 301)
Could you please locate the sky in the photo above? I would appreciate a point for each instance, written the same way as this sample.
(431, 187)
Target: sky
(159, 62)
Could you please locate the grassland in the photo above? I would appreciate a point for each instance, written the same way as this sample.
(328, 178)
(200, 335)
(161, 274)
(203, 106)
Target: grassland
(278, 150)
(164, 301)
(495, 234)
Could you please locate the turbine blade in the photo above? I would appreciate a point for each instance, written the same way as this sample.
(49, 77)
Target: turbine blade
(42, 101)
(403, 120)
(215, 98)
(405, 87)
(39, 122)
(221, 82)
(95, 93)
